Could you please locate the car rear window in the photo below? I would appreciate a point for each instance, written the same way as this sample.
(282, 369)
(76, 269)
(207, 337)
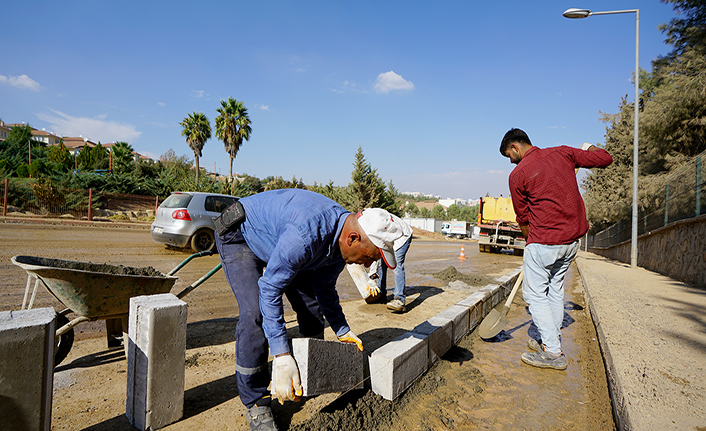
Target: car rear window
(177, 200)
(218, 203)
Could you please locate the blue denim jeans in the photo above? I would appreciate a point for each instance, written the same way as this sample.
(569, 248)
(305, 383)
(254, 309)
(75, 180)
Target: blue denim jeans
(400, 254)
(544, 269)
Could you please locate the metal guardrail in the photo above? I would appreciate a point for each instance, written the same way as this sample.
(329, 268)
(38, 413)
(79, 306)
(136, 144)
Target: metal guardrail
(682, 196)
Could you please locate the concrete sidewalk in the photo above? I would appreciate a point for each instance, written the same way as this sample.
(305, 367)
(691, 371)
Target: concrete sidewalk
(652, 332)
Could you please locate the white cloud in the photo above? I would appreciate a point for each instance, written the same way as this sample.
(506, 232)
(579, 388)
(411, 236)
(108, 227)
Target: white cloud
(265, 107)
(22, 82)
(96, 129)
(161, 104)
(390, 81)
(348, 87)
(198, 94)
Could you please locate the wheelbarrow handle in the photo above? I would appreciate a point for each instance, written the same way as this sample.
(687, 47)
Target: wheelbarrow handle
(188, 259)
(196, 284)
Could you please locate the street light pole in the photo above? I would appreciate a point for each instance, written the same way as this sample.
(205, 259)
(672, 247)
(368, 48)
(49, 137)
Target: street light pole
(585, 13)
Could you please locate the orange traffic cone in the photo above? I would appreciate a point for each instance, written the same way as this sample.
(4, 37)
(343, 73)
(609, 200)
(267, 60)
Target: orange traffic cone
(463, 253)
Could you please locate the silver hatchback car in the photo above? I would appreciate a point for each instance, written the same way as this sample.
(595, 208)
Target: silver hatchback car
(185, 219)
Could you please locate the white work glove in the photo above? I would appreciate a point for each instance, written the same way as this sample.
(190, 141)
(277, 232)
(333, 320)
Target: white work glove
(286, 384)
(350, 337)
(586, 146)
(373, 289)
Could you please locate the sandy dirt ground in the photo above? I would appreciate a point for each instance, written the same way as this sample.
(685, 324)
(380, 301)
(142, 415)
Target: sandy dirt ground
(477, 385)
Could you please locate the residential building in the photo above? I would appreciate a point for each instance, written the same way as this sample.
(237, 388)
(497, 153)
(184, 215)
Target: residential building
(46, 137)
(76, 144)
(4, 131)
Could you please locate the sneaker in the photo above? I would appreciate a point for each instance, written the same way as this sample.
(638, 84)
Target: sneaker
(544, 359)
(396, 306)
(534, 345)
(261, 419)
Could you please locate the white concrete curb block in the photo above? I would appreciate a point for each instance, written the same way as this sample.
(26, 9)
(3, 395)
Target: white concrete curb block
(397, 364)
(155, 362)
(461, 318)
(26, 368)
(440, 333)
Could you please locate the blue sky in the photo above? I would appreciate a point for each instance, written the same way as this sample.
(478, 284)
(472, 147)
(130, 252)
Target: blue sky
(427, 89)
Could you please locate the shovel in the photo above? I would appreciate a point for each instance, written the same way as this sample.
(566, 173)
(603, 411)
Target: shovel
(496, 320)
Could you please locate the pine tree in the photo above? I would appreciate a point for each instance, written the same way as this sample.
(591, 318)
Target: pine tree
(366, 189)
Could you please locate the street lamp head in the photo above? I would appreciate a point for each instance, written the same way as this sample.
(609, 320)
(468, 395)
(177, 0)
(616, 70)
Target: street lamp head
(577, 13)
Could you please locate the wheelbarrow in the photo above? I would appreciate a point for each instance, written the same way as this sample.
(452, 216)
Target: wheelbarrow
(96, 292)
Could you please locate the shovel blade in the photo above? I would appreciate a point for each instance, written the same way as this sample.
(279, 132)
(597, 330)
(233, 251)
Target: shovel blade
(494, 322)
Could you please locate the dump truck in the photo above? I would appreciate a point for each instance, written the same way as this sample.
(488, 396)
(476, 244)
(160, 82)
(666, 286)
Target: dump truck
(498, 228)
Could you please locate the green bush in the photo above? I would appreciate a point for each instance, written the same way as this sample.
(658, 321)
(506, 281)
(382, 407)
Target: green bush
(22, 171)
(119, 217)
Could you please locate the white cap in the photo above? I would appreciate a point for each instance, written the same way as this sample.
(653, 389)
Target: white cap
(586, 146)
(382, 230)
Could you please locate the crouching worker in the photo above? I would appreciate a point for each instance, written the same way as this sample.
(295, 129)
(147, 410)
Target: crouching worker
(304, 239)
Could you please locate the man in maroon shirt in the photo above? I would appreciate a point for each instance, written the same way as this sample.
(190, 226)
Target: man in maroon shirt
(551, 214)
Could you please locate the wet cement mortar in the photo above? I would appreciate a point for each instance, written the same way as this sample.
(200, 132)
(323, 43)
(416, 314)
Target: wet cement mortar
(476, 385)
(98, 268)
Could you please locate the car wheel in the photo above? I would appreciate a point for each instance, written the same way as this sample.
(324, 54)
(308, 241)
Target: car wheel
(203, 240)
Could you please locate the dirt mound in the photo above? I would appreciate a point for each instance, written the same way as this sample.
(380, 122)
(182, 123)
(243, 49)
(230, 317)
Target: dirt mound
(425, 234)
(451, 274)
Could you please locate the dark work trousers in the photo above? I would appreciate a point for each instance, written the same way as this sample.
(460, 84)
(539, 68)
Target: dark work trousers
(243, 270)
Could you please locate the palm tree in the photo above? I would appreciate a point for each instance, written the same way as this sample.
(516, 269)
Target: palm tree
(197, 130)
(123, 156)
(232, 127)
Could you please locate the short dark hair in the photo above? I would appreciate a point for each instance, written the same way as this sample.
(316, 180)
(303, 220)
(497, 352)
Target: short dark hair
(513, 136)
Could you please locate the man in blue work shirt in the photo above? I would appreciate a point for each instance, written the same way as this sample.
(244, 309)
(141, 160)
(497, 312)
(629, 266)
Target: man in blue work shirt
(304, 240)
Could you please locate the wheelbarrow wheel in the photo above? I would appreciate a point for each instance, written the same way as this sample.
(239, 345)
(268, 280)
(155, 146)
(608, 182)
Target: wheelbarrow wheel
(64, 341)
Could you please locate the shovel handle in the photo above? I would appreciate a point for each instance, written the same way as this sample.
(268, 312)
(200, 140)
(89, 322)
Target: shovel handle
(518, 282)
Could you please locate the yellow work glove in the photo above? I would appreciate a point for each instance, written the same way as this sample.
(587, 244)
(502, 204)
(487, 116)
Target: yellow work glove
(350, 337)
(286, 384)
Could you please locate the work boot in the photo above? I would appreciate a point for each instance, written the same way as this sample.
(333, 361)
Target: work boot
(544, 359)
(260, 418)
(534, 345)
(396, 305)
